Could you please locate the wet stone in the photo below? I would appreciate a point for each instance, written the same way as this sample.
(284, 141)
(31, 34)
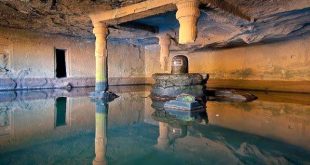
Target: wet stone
(179, 65)
(230, 96)
(184, 102)
(104, 96)
(174, 91)
(169, 80)
(172, 85)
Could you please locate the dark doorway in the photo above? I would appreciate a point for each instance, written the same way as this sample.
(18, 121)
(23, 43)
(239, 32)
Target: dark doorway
(61, 108)
(60, 60)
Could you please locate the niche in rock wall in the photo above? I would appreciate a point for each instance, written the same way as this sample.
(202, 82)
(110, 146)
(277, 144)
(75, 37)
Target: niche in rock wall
(60, 62)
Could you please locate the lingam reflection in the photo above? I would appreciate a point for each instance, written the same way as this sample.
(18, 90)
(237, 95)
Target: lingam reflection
(173, 127)
(101, 132)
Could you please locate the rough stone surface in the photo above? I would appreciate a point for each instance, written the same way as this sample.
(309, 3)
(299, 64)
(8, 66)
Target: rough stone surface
(45, 83)
(174, 91)
(103, 96)
(171, 80)
(31, 63)
(274, 20)
(230, 96)
(184, 102)
(277, 66)
(286, 61)
(172, 85)
(57, 17)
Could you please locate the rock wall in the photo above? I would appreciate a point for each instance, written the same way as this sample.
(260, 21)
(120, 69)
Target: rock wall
(27, 60)
(284, 61)
(279, 66)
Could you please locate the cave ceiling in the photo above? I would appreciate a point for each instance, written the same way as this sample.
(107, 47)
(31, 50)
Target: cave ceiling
(272, 20)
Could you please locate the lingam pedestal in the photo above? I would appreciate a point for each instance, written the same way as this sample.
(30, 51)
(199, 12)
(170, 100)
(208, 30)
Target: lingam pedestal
(169, 86)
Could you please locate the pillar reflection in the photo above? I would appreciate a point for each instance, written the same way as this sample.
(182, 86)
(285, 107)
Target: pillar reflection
(101, 133)
(163, 138)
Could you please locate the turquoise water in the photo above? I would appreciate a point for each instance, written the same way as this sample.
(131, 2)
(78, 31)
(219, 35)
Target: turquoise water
(60, 127)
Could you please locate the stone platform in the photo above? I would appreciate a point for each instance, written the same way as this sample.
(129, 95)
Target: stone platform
(169, 86)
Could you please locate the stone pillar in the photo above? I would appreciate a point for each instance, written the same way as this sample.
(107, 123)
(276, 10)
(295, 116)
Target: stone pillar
(163, 139)
(164, 42)
(101, 133)
(101, 32)
(187, 14)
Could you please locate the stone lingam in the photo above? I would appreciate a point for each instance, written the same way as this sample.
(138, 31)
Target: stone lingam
(169, 86)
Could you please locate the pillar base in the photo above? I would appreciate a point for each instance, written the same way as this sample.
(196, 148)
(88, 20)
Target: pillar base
(101, 86)
(103, 162)
(105, 96)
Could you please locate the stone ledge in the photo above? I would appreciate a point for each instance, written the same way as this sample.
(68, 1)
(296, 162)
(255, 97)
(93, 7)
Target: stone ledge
(260, 85)
(52, 83)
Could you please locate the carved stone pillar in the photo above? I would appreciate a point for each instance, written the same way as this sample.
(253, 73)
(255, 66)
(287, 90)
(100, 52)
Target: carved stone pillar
(101, 32)
(101, 133)
(164, 42)
(187, 14)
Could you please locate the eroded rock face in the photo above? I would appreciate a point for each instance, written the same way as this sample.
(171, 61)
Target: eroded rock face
(271, 20)
(55, 16)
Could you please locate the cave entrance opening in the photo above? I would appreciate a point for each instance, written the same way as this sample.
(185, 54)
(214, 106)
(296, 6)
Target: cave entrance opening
(60, 62)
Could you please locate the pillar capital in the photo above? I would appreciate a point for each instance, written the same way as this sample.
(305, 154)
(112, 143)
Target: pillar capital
(164, 39)
(187, 15)
(187, 8)
(100, 29)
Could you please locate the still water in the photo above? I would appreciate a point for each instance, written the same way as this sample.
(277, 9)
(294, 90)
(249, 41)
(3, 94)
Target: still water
(60, 127)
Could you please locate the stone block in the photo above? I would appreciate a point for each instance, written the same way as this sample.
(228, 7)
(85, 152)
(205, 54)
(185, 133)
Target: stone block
(174, 91)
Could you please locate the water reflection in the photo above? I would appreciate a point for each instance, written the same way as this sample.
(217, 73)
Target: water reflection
(101, 133)
(173, 123)
(61, 108)
(163, 138)
(188, 139)
(73, 130)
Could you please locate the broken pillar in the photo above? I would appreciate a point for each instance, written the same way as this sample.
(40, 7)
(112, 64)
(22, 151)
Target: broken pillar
(164, 42)
(187, 15)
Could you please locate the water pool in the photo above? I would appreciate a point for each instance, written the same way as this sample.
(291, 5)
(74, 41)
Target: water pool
(60, 127)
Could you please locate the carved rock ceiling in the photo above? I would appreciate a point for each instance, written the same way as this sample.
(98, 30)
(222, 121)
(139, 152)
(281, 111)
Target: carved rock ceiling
(275, 20)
